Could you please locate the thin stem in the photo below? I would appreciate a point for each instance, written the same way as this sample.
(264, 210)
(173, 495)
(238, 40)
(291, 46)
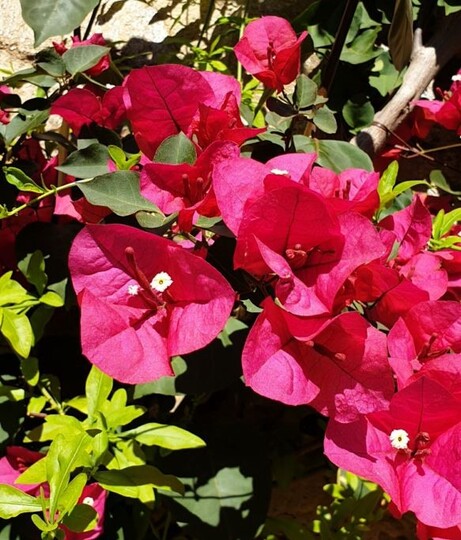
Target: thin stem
(206, 22)
(91, 22)
(329, 72)
(49, 193)
(53, 402)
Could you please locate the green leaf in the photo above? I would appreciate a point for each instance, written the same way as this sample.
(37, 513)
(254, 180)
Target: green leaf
(335, 155)
(127, 481)
(387, 182)
(30, 370)
(123, 161)
(51, 62)
(51, 299)
(83, 518)
(12, 393)
(65, 455)
(175, 150)
(14, 502)
(171, 437)
(123, 415)
(119, 191)
(154, 220)
(358, 114)
(32, 267)
(400, 37)
(79, 59)
(54, 425)
(384, 77)
(88, 162)
(450, 6)
(21, 181)
(24, 122)
(11, 292)
(35, 474)
(70, 496)
(403, 186)
(49, 18)
(36, 405)
(17, 330)
(305, 92)
(165, 385)
(40, 523)
(438, 179)
(325, 120)
(98, 387)
(362, 49)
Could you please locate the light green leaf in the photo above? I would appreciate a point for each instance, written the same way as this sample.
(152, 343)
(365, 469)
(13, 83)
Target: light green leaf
(122, 416)
(88, 162)
(33, 269)
(17, 330)
(400, 37)
(11, 292)
(12, 393)
(49, 18)
(79, 403)
(51, 299)
(403, 186)
(21, 181)
(119, 191)
(70, 496)
(123, 161)
(387, 182)
(438, 179)
(65, 455)
(171, 437)
(79, 59)
(83, 518)
(54, 425)
(175, 150)
(35, 474)
(98, 387)
(127, 481)
(14, 502)
(40, 523)
(36, 405)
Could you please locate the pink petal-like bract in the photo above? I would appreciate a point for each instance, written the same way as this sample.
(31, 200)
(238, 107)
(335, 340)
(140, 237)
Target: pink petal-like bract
(339, 367)
(162, 101)
(270, 50)
(423, 475)
(129, 329)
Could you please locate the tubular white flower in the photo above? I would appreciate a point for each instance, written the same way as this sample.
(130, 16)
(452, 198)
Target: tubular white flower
(280, 172)
(399, 439)
(161, 282)
(89, 501)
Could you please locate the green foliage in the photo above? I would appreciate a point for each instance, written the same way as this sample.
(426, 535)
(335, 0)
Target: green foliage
(441, 226)
(401, 33)
(88, 162)
(79, 59)
(49, 18)
(176, 149)
(119, 191)
(21, 181)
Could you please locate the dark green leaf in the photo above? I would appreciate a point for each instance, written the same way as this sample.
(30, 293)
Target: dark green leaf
(119, 191)
(33, 268)
(14, 502)
(88, 162)
(362, 49)
(175, 150)
(83, 518)
(358, 114)
(79, 59)
(21, 181)
(49, 18)
(400, 38)
(51, 62)
(24, 122)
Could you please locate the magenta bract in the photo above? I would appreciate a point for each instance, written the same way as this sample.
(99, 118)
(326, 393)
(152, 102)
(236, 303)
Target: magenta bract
(270, 50)
(143, 299)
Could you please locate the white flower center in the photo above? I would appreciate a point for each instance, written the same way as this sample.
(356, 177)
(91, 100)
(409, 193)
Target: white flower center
(280, 172)
(399, 439)
(89, 501)
(161, 282)
(133, 290)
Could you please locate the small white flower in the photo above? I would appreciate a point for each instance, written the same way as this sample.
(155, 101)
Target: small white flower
(133, 290)
(89, 501)
(399, 439)
(280, 172)
(456, 78)
(161, 282)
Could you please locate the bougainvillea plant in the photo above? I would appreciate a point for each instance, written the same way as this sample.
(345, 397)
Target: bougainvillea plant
(184, 262)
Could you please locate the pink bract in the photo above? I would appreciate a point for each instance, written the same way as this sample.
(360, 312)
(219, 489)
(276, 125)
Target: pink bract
(270, 50)
(423, 476)
(129, 330)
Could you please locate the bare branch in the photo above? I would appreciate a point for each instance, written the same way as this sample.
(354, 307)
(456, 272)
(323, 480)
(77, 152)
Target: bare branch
(426, 61)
